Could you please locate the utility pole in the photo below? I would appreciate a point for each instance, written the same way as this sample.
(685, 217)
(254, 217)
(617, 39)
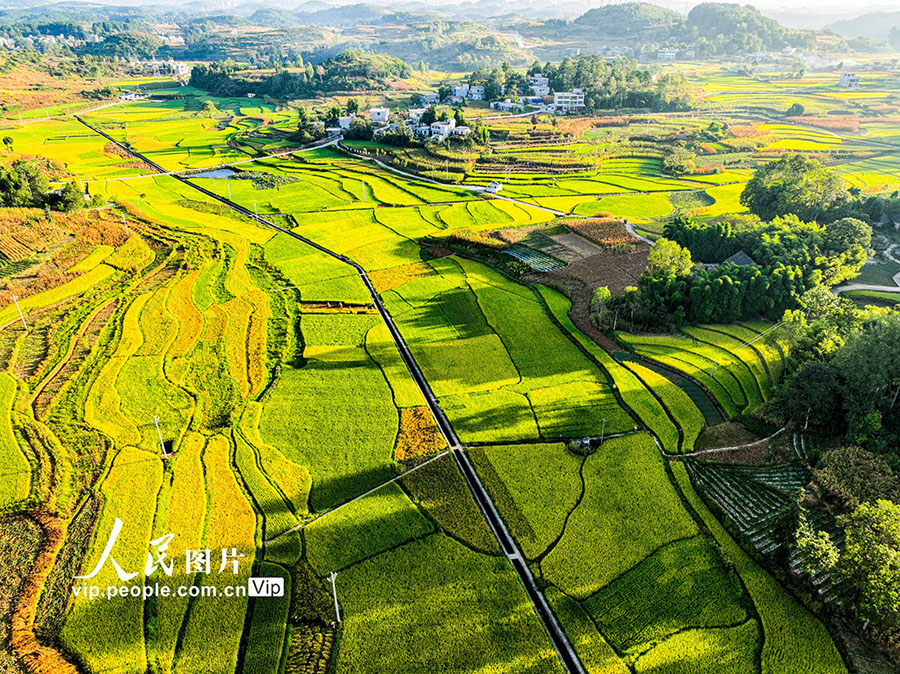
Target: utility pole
(162, 445)
(363, 182)
(16, 300)
(125, 225)
(337, 610)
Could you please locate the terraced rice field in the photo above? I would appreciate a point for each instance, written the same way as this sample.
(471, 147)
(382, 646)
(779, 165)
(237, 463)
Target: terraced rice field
(733, 363)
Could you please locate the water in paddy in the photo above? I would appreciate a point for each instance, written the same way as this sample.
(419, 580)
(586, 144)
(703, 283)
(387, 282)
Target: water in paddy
(215, 173)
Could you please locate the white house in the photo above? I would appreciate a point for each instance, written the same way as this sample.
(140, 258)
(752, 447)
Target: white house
(539, 84)
(461, 90)
(569, 99)
(180, 67)
(128, 96)
(667, 54)
(345, 120)
(507, 106)
(476, 92)
(460, 131)
(443, 129)
(415, 114)
(379, 115)
(431, 99)
(849, 81)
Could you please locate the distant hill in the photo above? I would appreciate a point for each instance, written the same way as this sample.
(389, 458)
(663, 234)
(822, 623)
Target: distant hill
(348, 15)
(630, 18)
(876, 25)
(714, 27)
(737, 27)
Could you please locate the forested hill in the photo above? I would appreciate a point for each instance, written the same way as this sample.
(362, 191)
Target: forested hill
(348, 71)
(630, 18)
(713, 27)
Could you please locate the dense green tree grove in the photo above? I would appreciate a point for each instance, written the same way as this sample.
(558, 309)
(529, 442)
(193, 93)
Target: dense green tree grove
(348, 71)
(23, 184)
(790, 257)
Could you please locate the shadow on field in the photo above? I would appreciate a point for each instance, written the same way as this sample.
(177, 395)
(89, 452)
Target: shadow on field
(331, 491)
(455, 310)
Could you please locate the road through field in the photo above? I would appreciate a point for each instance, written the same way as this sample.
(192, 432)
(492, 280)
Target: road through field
(560, 641)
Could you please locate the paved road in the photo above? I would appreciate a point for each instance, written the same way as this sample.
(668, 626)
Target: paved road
(507, 544)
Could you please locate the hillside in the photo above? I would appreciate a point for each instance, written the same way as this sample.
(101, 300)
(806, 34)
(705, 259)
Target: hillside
(630, 18)
(875, 25)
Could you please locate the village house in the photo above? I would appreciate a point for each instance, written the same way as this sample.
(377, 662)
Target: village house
(570, 100)
(539, 84)
(849, 81)
(443, 129)
(379, 115)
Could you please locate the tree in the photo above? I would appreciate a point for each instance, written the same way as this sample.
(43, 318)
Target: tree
(667, 258)
(23, 184)
(459, 118)
(306, 130)
(796, 110)
(360, 129)
(818, 552)
(812, 397)
(429, 116)
(333, 117)
(871, 558)
(352, 106)
(599, 301)
(870, 370)
(444, 91)
(795, 184)
(535, 120)
(853, 475)
(209, 108)
(8, 143)
(70, 199)
(847, 235)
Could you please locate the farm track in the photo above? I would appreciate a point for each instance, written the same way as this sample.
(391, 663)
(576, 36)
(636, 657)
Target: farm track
(871, 286)
(560, 641)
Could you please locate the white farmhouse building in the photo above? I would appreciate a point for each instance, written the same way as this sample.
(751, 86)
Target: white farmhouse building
(443, 129)
(539, 84)
(379, 115)
(571, 100)
(849, 81)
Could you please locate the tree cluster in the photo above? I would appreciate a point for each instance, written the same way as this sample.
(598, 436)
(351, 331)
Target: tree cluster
(789, 257)
(23, 184)
(348, 71)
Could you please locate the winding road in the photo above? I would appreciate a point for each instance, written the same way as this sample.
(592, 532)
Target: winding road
(507, 544)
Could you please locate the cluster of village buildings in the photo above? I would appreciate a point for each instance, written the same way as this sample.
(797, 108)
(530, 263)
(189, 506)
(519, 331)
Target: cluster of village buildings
(541, 97)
